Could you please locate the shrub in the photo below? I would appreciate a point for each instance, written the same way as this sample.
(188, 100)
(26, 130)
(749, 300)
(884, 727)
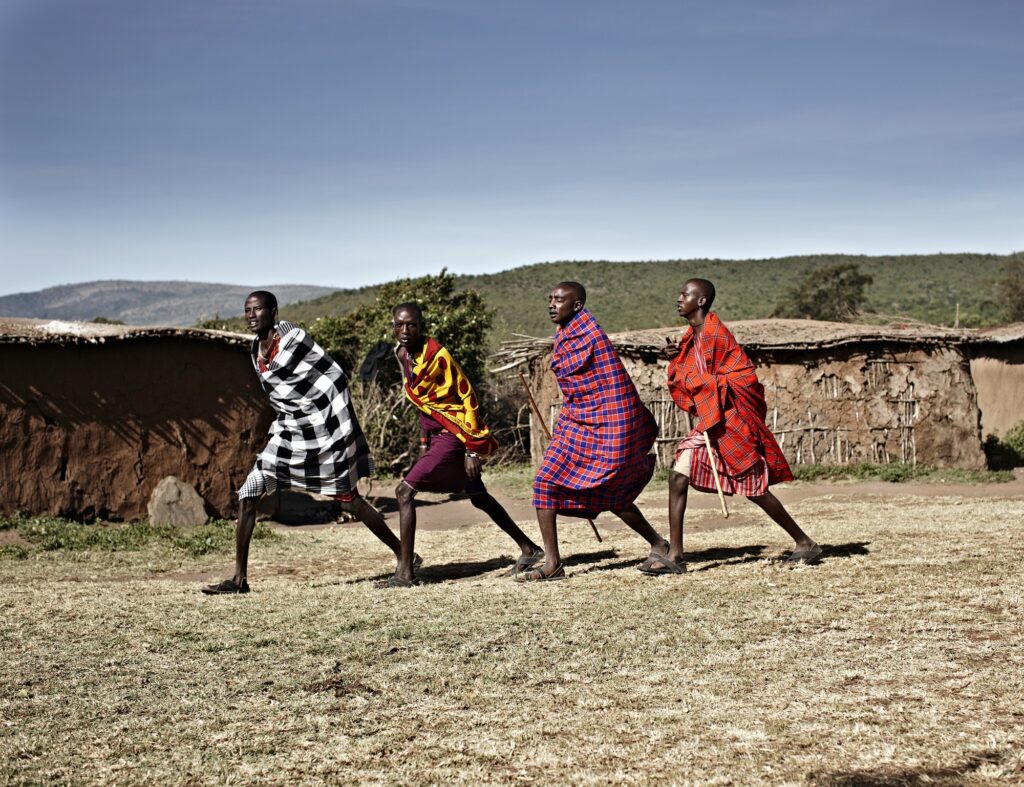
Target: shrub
(1008, 452)
(458, 319)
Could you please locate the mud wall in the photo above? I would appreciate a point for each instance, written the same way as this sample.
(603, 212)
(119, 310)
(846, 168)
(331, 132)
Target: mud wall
(998, 373)
(89, 430)
(860, 403)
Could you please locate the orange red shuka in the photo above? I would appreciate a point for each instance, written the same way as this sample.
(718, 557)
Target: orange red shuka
(439, 388)
(727, 400)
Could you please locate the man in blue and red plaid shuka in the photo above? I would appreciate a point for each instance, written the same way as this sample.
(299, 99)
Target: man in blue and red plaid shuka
(714, 381)
(599, 456)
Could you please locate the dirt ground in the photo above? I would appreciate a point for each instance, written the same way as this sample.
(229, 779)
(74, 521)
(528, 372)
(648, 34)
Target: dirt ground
(899, 659)
(448, 512)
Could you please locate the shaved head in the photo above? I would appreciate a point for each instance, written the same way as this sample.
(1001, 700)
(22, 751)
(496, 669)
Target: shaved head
(578, 290)
(268, 298)
(707, 289)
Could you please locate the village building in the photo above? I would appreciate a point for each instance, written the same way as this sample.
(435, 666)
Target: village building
(93, 416)
(997, 366)
(837, 393)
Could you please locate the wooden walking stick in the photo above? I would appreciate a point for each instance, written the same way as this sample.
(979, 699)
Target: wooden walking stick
(714, 472)
(547, 432)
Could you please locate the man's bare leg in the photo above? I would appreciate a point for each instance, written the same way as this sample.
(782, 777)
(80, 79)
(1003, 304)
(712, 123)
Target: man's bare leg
(772, 506)
(374, 522)
(632, 516)
(496, 511)
(243, 536)
(547, 519)
(678, 485)
(406, 497)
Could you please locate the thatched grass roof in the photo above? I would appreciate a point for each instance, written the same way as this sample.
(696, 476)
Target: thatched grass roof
(776, 335)
(14, 330)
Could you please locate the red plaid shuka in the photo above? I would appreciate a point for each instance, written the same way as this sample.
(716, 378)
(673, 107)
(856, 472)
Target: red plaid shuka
(599, 456)
(727, 401)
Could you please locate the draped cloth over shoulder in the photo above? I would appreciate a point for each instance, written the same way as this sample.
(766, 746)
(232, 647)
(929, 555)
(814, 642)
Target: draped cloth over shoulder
(599, 456)
(722, 392)
(315, 441)
(439, 388)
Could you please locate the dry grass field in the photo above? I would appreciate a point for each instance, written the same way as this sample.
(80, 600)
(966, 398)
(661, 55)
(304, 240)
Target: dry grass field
(898, 660)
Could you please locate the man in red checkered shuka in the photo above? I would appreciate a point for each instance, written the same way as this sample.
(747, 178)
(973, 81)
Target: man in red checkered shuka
(714, 381)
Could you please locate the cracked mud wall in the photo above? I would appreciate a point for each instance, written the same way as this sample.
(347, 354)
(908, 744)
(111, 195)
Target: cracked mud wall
(861, 402)
(88, 431)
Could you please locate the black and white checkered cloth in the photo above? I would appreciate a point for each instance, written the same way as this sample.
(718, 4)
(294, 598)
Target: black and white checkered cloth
(315, 442)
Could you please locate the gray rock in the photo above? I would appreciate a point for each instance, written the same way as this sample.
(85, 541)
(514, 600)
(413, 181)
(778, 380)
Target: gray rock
(174, 502)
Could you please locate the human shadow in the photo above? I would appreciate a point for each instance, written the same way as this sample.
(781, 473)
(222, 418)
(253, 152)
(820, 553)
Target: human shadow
(898, 777)
(717, 557)
(433, 573)
(849, 549)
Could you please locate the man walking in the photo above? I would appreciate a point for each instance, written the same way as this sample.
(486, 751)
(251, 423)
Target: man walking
(453, 444)
(599, 456)
(714, 381)
(315, 441)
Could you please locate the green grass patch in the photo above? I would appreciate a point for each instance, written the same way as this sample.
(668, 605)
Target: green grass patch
(50, 534)
(896, 472)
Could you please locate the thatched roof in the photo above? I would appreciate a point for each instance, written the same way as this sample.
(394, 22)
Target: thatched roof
(1004, 334)
(775, 335)
(15, 330)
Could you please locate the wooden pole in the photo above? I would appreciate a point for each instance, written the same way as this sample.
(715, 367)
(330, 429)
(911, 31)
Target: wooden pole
(714, 472)
(547, 432)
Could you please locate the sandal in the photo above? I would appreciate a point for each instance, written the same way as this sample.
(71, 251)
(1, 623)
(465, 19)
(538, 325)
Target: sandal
(525, 563)
(226, 588)
(538, 575)
(668, 566)
(810, 555)
(395, 581)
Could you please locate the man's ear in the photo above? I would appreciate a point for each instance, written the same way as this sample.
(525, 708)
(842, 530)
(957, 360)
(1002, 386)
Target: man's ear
(577, 306)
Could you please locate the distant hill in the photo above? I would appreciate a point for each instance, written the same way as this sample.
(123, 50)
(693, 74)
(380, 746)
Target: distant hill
(178, 303)
(623, 295)
(634, 295)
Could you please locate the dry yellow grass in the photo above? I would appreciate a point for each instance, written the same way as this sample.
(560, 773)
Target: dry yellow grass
(899, 659)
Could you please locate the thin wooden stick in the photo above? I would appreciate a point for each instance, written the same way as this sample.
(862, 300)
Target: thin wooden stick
(547, 432)
(714, 472)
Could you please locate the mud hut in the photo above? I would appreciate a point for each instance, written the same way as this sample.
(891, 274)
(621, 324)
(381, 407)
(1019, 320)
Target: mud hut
(93, 416)
(997, 366)
(837, 393)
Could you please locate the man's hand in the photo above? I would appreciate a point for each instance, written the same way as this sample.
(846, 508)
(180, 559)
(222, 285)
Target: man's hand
(473, 466)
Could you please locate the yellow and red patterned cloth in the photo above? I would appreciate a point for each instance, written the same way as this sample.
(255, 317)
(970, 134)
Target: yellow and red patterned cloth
(439, 388)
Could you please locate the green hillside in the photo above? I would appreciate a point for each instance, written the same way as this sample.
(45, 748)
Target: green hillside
(632, 295)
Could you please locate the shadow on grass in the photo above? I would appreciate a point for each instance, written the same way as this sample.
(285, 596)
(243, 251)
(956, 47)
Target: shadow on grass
(431, 573)
(850, 549)
(897, 777)
(716, 557)
(723, 556)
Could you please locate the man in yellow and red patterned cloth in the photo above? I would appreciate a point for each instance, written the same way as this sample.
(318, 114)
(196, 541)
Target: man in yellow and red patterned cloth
(714, 381)
(453, 444)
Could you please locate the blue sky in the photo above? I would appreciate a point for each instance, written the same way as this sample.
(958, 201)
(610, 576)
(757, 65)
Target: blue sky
(347, 143)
